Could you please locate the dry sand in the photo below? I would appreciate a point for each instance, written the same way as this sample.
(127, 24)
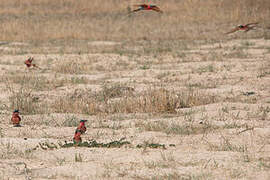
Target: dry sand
(235, 144)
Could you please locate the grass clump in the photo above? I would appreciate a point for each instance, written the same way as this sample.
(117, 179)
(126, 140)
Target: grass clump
(176, 128)
(72, 67)
(70, 121)
(9, 151)
(23, 99)
(35, 82)
(115, 90)
(121, 99)
(78, 157)
(226, 145)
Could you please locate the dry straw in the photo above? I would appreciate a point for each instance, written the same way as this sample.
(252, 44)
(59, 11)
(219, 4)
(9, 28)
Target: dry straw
(45, 20)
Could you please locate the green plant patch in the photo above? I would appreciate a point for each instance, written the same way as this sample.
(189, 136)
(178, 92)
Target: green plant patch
(94, 144)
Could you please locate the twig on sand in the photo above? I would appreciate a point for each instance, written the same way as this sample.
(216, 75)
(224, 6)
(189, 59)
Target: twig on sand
(247, 129)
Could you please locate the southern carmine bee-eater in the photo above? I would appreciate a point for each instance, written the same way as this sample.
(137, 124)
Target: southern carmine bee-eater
(29, 63)
(146, 7)
(245, 28)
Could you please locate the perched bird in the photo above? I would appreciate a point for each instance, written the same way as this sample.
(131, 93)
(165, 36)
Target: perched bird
(77, 137)
(16, 119)
(81, 126)
(244, 28)
(29, 63)
(147, 7)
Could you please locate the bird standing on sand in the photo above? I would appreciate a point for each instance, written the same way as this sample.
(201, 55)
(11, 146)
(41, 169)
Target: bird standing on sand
(82, 126)
(245, 28)
(29, 63)
(16, 119)
(147, 7)
(81, 129)
(77, 137)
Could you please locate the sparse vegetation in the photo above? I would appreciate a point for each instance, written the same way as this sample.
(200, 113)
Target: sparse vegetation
(23, 98)
(62, 20)
(9, 151)
(150, 101)
(227, 145)
(187, 101)
(71, 121)
(72, 67)
(175, 128)
(264, 70)
(78, 157)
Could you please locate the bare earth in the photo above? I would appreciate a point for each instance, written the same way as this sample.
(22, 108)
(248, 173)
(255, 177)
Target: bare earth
(227, 137)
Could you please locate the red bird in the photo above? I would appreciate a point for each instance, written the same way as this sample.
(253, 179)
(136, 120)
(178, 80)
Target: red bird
(81, 126)
(29, 63)
(77, 137)
(244, 28)
(147, 7)
(16, 119)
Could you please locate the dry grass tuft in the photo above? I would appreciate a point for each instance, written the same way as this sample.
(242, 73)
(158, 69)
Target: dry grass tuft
(9, 151)
(72, 67)
(264, 70)
(121, 99)
(115, 90)
(36, 82)
(226, 144)
(178, 128)
(22, 98)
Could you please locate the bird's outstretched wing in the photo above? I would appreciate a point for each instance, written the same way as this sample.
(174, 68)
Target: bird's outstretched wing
(249, 24)
(250, 28)
(157, 9)
(232, 31)
(141, 5)
(136, 10)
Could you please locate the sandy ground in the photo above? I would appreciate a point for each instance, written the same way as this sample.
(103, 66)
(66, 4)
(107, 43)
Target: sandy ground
(235, 144)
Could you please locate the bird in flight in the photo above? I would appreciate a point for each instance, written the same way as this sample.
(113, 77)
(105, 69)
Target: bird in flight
(245, 28)
(146, 7)
(29, 63)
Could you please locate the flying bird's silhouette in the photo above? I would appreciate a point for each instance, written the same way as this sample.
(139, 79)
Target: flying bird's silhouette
(16, 119)
(245, 28)
(29, 63)
(147, 7)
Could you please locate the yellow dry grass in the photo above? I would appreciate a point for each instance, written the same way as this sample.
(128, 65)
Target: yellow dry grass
(46, 20)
